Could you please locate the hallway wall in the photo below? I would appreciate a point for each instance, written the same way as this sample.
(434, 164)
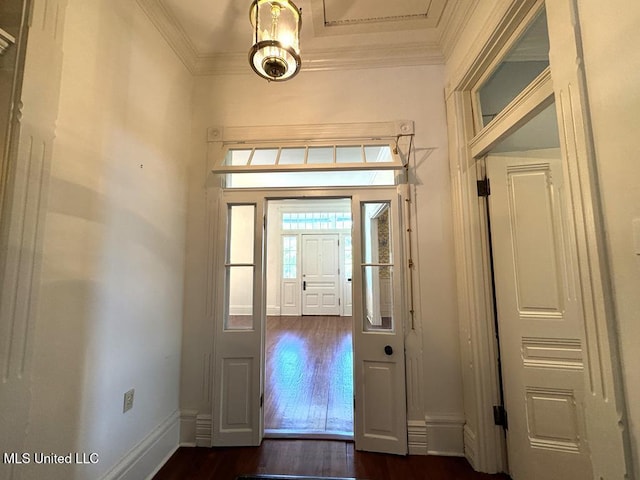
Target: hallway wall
(111, 295)
(373, 95)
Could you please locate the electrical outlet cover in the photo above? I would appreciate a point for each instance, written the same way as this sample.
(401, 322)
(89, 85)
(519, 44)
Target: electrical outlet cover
(128, 401)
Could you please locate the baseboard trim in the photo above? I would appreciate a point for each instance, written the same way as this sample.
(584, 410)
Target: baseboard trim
(445, 434)
(417, 433)
(203, 430)
(147, 457)
(188, 428)
(470, 446)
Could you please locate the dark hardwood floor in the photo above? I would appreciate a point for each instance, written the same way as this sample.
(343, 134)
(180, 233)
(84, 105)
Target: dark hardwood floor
(313, 458)
(309, 375)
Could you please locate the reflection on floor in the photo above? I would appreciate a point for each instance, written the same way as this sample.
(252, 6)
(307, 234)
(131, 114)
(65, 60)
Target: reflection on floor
(309, 375)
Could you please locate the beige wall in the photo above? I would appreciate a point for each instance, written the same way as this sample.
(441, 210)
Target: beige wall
(612, 61)
(374, 95)
(111, 296)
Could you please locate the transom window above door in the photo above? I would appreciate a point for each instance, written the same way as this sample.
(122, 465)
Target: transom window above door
(310, 155)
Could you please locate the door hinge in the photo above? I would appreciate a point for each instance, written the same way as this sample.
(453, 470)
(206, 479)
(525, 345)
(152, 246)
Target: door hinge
(261, 400)
(500, 416)
(339, 302)
(484, 187)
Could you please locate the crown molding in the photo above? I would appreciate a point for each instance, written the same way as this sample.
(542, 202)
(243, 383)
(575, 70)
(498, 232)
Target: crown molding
(169, 27)
(456, 16)
(359, 57)
(380, 56)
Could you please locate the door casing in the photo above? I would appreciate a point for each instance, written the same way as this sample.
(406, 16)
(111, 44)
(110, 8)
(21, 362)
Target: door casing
(484, 442)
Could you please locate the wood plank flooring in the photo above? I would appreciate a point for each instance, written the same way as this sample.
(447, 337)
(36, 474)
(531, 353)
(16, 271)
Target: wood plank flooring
(312, 457)
(309, 375)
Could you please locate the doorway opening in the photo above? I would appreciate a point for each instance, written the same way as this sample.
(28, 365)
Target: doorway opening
(308, 388)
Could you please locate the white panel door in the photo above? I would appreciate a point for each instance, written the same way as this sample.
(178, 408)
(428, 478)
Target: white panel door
(238, 340)
(320, 275)
(379, 360)
(541, 337)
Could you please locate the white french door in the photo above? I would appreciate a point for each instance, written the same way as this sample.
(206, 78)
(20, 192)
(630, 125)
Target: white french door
(379, 361)
(239, 329)
(379, 370)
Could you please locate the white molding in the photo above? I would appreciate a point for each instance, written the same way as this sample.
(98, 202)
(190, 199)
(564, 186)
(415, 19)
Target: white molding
(147, 457)
(6, 40)
(347, 58)
(373, 56)
(417, 434)
(454, 24)
(188, 428)
(605, 412)
(204, 424)
(470, 446)
(310, 132)
(169, 27)
(240, 309)
(273, 310)
(445, 434)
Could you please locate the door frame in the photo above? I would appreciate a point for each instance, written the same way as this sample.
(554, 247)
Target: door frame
(261, 197)
(484, 442)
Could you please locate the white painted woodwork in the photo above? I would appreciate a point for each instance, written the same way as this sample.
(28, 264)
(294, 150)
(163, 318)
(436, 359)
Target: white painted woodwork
(212, 43)
(290, 302)
(6, 40)
(539, 319)
(487, 38)
(28, 127)
(320, 275)
(380, 388)
(436, 386)
(347, 280)
(237, 409)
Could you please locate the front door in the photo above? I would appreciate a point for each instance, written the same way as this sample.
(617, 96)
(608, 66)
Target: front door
(320, 274)
(539, 317)
(379, 360)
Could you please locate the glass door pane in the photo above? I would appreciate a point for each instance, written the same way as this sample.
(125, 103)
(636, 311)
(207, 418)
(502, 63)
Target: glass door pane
(377, 267)
(240, 268)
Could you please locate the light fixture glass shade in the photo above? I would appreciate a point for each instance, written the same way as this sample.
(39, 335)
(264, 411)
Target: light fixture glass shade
(275, 54)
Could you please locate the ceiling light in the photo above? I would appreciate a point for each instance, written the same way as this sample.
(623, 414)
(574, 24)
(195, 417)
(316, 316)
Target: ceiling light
(275, 54)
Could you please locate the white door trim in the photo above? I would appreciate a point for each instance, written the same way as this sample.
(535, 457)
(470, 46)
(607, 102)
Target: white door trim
(605, 411)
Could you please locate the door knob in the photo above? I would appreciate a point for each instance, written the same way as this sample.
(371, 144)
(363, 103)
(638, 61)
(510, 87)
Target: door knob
(388, 350)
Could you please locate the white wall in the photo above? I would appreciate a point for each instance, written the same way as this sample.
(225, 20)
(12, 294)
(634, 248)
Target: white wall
(375, 95)
(112, 279)
(612, 61)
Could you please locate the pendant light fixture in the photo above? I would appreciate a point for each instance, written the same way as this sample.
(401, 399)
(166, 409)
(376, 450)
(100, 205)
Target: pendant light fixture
(275, 54)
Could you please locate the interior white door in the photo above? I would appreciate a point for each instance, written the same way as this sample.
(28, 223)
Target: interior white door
(238, 340)
(379, 360)
(541, 335)
(320, 275)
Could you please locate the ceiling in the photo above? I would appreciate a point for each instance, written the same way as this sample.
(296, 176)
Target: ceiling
(214, 37)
